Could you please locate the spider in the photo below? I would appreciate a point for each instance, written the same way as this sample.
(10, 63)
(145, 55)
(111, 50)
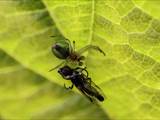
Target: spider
(66, 51)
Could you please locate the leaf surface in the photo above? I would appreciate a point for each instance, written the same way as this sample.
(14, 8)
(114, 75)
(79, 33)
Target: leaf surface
(128, 31)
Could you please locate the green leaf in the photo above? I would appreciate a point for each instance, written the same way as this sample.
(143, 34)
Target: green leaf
(128, 31)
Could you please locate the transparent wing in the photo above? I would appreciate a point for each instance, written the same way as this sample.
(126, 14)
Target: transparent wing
(95, 90)
(90, 82)
(85, 94)
(96, 86)
(88, 87)
(92, 90)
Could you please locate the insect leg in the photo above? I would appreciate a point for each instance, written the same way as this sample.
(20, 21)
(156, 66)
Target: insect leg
(80, 60)
(80, 63)
(86, 48)
(82, 69)
(57, 66)
(86, 71)
(89, 80)
(70, 87)
(79, 68)
(70, 46)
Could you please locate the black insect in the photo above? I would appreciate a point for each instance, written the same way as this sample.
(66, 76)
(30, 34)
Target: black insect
(82, 82)
(65, 51)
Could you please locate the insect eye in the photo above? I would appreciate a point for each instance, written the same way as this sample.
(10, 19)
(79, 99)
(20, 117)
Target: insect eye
(61, 50)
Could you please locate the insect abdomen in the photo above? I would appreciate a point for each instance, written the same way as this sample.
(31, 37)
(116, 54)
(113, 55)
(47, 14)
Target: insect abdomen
(60, 51)
(100, 97)
(93, 92)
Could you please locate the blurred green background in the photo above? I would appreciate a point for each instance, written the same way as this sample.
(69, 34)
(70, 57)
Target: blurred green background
(129, 75)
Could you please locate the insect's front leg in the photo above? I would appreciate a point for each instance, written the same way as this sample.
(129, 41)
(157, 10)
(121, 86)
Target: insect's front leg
(88, 47)
(57, 66)
(71, 49)
(70, 87)
(84, 69)
(81, 70)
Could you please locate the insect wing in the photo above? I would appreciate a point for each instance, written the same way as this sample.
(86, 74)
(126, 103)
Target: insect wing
(85, 94)
(93, 90)
(97, 88)
(90, 88)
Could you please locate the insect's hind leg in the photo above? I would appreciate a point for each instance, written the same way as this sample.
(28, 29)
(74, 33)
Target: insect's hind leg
(70, 87)
(88, 47)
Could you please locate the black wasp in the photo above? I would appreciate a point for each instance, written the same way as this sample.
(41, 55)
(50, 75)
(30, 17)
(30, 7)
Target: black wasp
(82, 82)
